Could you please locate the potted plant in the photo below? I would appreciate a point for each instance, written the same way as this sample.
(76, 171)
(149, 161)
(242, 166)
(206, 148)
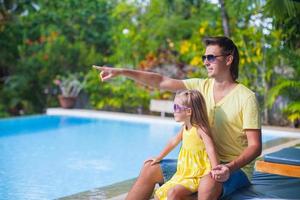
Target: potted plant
(70, 87)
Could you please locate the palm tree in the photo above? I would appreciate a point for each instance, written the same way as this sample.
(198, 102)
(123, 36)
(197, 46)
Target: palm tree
(225, 18)
(286, 15)
(293, 107)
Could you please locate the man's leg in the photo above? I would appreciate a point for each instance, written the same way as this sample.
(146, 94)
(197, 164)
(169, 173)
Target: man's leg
(209, 188)
(143, 188)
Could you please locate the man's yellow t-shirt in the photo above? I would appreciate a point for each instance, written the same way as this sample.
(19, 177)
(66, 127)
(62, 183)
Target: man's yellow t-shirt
(229, 118)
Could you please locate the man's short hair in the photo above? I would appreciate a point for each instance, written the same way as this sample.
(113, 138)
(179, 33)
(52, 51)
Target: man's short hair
(228, 48)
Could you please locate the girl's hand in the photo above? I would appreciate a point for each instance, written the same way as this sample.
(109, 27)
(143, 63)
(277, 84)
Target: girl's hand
(153, 161)
(220, 173)
(107, 72)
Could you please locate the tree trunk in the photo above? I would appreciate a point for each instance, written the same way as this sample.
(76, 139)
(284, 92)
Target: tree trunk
(225, 19)
(265, 84)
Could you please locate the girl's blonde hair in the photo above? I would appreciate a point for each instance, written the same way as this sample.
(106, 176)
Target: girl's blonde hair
(194, 100)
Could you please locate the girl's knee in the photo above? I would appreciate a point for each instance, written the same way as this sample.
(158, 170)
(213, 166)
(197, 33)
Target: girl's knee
(174, 194)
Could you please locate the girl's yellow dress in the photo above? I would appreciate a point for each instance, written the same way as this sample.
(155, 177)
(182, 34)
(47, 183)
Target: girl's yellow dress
(193, 163)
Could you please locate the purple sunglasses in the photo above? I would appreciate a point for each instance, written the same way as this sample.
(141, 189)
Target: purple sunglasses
(178, 108)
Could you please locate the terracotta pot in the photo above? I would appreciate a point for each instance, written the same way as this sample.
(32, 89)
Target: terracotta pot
(67, 102)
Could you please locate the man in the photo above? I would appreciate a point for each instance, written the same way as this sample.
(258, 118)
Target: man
(233, 115)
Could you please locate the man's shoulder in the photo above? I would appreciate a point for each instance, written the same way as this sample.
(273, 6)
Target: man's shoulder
(245, 92)
(198, 81)
(201, 84)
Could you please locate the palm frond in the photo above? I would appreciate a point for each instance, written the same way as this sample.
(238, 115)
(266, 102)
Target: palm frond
(277, 90)
(293, 111)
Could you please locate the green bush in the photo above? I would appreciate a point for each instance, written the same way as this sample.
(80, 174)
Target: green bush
(119, 95)
(39, 64)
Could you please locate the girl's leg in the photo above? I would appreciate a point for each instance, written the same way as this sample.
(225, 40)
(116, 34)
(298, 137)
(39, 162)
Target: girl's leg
(179, 192)
(155, 197)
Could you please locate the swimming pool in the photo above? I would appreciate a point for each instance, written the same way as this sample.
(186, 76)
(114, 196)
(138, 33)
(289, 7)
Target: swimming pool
(47, 157)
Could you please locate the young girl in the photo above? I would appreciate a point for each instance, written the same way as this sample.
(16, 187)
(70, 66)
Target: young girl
(197, 154)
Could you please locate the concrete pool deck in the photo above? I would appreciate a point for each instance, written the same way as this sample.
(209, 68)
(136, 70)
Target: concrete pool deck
(118, 191)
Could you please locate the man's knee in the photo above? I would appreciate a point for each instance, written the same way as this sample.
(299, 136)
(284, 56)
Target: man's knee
(151, 173)
(149, 170)
(209, 188)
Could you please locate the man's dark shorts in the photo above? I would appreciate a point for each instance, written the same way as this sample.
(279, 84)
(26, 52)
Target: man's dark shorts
(237, 179)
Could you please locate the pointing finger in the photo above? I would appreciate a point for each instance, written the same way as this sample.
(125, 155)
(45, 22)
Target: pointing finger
(97, 67)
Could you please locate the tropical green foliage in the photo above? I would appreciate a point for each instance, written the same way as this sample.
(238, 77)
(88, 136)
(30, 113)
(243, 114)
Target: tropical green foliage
(119, 95)
(50, 43)
(286, 87)
(70, 85)
(40, 39)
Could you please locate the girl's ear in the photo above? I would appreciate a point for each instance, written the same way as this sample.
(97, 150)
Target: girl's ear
(189, 111)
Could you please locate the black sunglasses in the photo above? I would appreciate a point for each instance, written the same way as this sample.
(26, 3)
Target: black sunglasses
(211, 58)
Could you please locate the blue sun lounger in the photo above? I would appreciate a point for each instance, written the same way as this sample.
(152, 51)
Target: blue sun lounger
(276, 177)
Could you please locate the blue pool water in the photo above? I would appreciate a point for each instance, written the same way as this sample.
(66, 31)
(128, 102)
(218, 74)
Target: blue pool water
(46, 157)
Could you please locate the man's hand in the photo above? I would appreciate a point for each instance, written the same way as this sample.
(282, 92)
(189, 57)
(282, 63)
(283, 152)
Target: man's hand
(220, 173)
(107, 72)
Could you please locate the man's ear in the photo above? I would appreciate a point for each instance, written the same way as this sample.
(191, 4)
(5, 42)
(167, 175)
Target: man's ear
(229, 60)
